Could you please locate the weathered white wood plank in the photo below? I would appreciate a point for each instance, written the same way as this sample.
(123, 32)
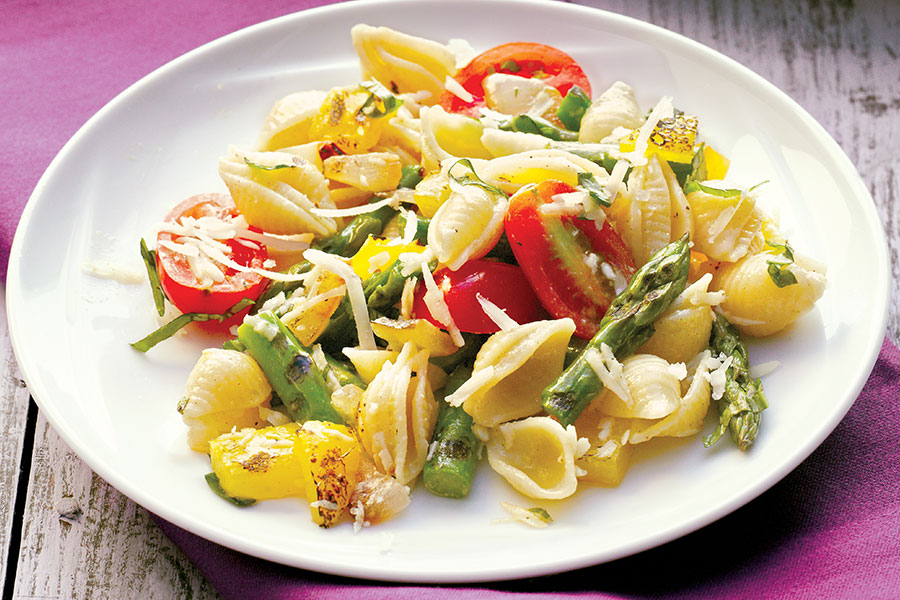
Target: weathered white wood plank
(839, 60)
(13, 412)
(83, 539)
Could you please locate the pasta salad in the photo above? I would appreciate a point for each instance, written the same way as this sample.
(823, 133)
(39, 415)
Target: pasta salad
(467, 258)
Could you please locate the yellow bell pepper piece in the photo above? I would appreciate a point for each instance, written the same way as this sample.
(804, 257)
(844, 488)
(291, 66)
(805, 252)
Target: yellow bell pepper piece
(330, 465)
(672, 139)
(609, 457)
(312, 318)
(378, 254)
(260, 463)
(431, 193)
(340, 119)
(716, 164)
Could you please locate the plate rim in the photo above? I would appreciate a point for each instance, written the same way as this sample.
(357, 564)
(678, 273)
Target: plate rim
(14, 305)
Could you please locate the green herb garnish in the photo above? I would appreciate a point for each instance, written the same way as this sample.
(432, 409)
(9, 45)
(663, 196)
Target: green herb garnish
(378, 94)
(541, 514)
(511, 66)
(777, 269)
(588, 183)
(159, 296)
(173, 326)
(254, 165)
(212, 480)
(472, 178)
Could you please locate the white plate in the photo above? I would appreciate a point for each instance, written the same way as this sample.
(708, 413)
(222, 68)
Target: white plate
(158, 143)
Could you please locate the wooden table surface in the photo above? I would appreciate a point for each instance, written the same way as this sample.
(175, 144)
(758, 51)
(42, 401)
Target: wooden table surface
(65, 533)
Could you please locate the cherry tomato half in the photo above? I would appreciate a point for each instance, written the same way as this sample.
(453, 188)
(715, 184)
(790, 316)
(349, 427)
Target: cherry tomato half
(563, 257)
(181, 285)
(504, 285)
(525, 59)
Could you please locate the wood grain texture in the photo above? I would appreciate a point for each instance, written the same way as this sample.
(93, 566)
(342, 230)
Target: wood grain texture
(838, 59)
(83, 539)
(13, 412)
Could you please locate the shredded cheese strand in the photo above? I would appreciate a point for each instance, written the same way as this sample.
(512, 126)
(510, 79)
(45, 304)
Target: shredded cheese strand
(354, 290)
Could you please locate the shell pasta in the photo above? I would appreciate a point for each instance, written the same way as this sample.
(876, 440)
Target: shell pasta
(468, 261)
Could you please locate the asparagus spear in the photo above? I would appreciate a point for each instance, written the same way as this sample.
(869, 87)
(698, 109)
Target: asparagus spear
(290, 369)
(450, 469)
(382, 291)
(741, 405)
(344, 243)
(628, 324)
(348, 240)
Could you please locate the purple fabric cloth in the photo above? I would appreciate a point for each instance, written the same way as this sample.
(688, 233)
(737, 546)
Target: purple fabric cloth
(830, 529)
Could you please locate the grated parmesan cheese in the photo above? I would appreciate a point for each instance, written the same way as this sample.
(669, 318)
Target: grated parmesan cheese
(496, 314)
(610, 371)
(434, 300)
(456, 88)
(407, 297)
(353, 210)
(355, 291)
(763, 369)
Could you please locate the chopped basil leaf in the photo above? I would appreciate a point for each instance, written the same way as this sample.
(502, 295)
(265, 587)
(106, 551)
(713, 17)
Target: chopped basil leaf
(588, 183)
(693, 186)
(173, 326)
(698, 170)
(511, 66)
(777, 269)
(159, 296)
(254, 165)
(212, 480)
(526, 124)
(473, 178)
(785, 249)
(541, 514)
(380, 102)
(779, 274)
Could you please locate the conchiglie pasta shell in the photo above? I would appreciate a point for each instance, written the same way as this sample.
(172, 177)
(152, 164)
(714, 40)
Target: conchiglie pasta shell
(514, 171)
(685, 421)
(724, 227)
(466, 226)
(616, 107)
(536, 456)
(504, 143)
(403, 63)
(655, 391)
(682, 332)
(287, 124)
(446, 136)
(396, 416)
(280, 200)
(224, 390)
(511, 370)
(653, 212)
(755, 305)
(368, 363)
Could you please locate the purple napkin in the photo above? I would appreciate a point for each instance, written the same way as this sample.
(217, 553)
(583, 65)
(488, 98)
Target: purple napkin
(830, 529)
(61, 62)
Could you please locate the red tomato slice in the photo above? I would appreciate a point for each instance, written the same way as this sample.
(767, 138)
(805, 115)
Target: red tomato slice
(525, 59)
(181, 285)
(504, 285)
(554, 253)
